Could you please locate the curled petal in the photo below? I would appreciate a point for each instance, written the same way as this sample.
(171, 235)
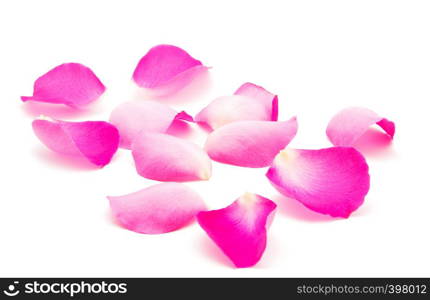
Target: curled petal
(131, 118)
(71, 84)
(167, 158)
(96, 141)
(250, 102)
(240, 228)
(349, 124)
(167, 69)
(251, 144)
(157, 209)
(331, 181)
(257, 92)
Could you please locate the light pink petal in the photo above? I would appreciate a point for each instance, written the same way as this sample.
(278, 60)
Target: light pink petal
(349, 124)
(250, 102)
(257, 92)
(240, 228)
(251, 144)
(96, 141)
(164, 157)
(166, 68)
(332, 181)
(71, 84)
(158, 209)
(131, 118)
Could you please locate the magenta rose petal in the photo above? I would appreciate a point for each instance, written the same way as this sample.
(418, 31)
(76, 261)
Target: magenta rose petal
(346, 127)
(158, 209)
(240, 229)
(331, 181)
(71, 84)
(251, 144)
(167, 158)
(96, 141)
(166, 69)
(250, 102)
(131, 118)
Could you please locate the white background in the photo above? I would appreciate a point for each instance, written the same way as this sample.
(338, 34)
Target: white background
(318, 56)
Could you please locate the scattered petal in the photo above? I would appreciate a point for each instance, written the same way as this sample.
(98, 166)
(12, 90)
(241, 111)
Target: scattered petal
(164, 157)
(250, 102)
(167, 69)
(349, 124)
(239, 230)
(331, 181)
(251, 144)
(131, 118)
(257, 92)
(71, 84)
(96, 141)
(157, 209)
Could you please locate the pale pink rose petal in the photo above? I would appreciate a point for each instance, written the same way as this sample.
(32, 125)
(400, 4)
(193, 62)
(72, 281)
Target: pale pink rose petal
(250, 102)
(349, 124)
(164, 157)
(131, 118)
(71, 84)
(251, 144)
(96, 141)
(166, 68)
(257, 92)
(160, 208)
(331, 181)
(240, 229)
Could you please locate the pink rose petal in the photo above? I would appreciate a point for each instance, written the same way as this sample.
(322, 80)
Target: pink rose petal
(240, 228)
(167, 158)
(167, 69)
(332, 181)
(250, 102)
(349, 124)
(157, 209)
(131, 118)
(251, 144)
(96, 141)
(71, 84)
(257, 92)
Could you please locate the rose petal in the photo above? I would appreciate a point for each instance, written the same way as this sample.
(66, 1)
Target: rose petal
(240, 228)
(166, 68)
(332, 181)
(250, 102)
(167, 158)
(251, 144)
(147, 116)
(349, 124)
(71, 84)
(157, 209)
(257, 92)
(96, 141)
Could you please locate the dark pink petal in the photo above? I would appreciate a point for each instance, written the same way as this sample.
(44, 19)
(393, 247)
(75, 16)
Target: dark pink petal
(96, 141)
(158, 209)
(167, 158)
(251, 144)
(131, 118)
(332, 181)
(71, 84)
(349, 124)
(250, 102)
(166, 68)
(240, 228)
